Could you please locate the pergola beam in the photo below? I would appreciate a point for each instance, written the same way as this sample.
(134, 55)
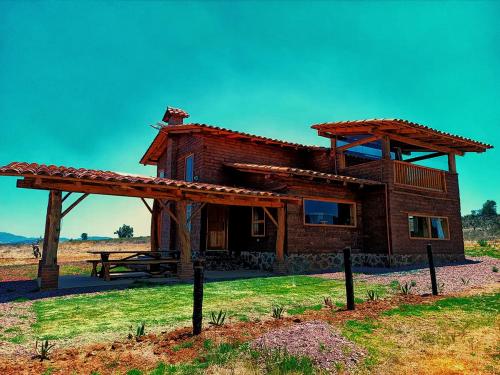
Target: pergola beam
(270, 216)
(359, 142)
(74, 204)
(424, 157)
(147, 205)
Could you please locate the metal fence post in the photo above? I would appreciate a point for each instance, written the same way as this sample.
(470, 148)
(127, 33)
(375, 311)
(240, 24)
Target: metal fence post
(349, 284)
(432, 270)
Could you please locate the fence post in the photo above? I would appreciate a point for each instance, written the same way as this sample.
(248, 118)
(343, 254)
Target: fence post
(198, 296)
(432, 270)
(349, 285)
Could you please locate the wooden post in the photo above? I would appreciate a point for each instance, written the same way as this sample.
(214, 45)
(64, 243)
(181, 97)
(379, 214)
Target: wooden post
(386, 148)
(333, 154)
(48, 269)
(279, 266)
(340, 161)
(198, 297)
(452, 163)
(155, 228)
(185, 270)
(432, 270)
(349, 284)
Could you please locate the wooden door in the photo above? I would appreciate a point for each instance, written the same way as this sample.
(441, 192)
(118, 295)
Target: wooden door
(216, 227)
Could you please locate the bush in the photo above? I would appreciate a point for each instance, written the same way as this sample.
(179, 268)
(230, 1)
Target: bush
(42, 350)
(482, 243)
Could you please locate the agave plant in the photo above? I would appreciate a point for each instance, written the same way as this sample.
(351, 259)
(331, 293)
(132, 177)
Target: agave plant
(140, 330)
(278, 312)
(43, 349)
(407, 287)
(372, 295)
(328, 302)
(217, 319)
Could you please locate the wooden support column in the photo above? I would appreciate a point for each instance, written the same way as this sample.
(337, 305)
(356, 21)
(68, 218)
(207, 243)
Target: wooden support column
(48, 269)
(155, 226)
(333, 155)
(279, 266)
(452, 163)
(185, 270)
(386, 147)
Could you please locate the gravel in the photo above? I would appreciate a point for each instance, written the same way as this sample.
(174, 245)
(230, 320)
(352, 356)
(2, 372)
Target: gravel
(456, 277)
(316, 340)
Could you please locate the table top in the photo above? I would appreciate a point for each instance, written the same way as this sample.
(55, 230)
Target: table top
(123, 252)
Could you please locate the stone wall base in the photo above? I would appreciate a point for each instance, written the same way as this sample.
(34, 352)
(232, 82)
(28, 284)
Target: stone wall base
(48, 276)
(326, 262)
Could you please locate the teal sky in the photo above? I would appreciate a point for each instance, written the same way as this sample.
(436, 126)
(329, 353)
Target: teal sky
(80, 83)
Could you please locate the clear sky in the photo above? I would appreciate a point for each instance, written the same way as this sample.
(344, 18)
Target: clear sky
(80, 83)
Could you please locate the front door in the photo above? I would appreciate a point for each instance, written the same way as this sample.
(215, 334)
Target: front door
(217, 227)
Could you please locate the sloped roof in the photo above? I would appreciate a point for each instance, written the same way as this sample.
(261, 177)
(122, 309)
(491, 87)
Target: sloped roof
(260, 168)
(158, 145)
(401, 130)
(95, 177)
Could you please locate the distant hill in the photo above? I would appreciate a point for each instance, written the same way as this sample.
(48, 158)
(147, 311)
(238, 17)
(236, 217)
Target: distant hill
(9, 238)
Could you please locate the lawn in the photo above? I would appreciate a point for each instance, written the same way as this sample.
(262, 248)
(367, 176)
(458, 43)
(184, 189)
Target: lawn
(452, 335)
(482, 251)
(170, 306)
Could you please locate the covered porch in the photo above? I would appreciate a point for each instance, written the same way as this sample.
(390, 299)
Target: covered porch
(180, 200)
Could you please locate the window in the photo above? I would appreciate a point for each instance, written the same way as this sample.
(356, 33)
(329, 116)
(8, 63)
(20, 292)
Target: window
(428, 227)
(258, 222)
(161, 173)
(189, 168)
(318, 212)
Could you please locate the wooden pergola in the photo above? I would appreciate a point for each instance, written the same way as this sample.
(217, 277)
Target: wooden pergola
(164, 192)
(398, 136)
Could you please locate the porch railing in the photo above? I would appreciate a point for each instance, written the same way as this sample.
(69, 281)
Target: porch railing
(419, 177)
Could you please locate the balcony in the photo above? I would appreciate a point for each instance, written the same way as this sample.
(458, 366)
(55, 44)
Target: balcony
(416, 176)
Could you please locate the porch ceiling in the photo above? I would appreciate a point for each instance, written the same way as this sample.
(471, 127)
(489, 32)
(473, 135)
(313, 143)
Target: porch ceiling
(50, 177)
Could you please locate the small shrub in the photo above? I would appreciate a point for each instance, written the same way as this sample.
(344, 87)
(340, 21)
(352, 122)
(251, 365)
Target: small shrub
(42, 350)
(372, 295)
(465, 281)
(406, 287)
(217, 319)
(140, 330)
(494, 269)
(482, 243)
(328, 302)
(278, 312)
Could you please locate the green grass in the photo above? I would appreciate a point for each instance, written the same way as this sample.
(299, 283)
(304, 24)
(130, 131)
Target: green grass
(170, 306)
(455, 331)
(482, 251)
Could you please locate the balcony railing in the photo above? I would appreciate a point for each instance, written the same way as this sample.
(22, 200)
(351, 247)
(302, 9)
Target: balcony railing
(420, 177)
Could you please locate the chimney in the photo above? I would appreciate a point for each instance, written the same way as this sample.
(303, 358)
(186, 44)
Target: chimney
(174, 116)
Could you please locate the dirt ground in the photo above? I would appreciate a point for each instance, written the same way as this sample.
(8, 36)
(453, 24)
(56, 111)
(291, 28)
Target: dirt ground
(70, 251)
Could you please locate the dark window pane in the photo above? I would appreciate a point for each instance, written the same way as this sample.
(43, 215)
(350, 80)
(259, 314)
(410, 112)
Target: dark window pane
(418, 226)
(328, 213)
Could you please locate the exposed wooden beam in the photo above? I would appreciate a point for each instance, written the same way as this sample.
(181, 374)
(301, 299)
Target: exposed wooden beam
(423, 157)
(74, 204)
(452, 164)
(271, 217)
(147, 205)
(167, 209)
(198, 209)
(386, 147)
(358, 143)
(280, 235)
(414, 142)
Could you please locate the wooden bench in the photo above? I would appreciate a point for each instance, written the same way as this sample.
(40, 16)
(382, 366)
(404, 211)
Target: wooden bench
(108, 265)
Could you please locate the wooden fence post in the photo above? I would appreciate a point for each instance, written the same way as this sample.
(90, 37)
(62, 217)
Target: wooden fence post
(349, 284)
(432, 270)
(198, 296)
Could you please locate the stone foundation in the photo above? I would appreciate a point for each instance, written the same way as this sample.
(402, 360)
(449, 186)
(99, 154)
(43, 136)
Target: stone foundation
(325, 262)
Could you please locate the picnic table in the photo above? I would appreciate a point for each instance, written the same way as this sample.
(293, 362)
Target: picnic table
(151, 259)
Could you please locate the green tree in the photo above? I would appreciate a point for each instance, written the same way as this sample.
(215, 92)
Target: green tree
(489, 208)
(84, 236)
(125, 231)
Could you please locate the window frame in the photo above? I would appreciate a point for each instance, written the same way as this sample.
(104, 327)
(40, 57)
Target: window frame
(428, 218)
(331, 200)
(191, 155)
(252, 222)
